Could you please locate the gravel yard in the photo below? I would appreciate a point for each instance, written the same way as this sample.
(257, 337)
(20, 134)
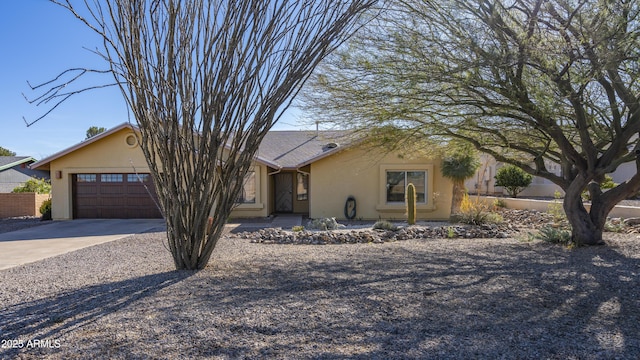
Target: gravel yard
(413, 299)
(17, 223)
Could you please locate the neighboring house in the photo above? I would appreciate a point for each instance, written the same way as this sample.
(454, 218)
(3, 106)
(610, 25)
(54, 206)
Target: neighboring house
(303, 172)
(15, 171)
(484, 180)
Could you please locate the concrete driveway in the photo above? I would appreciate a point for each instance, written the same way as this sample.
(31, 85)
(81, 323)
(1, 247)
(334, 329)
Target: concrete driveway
(59, 237)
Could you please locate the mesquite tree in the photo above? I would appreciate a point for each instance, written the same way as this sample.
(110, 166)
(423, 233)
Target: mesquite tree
(530, 82)
(205, 80)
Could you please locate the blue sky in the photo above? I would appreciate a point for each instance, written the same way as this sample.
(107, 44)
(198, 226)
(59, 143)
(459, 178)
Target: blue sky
(39, 40)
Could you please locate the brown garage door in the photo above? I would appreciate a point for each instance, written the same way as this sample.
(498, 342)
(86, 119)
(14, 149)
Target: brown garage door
(115, 196)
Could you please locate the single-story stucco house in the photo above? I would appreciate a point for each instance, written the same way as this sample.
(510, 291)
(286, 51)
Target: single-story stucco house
(303, 172)
(15, 171)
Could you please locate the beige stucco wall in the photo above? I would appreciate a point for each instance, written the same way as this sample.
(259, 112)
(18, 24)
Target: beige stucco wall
(362, 174)
(110, 154)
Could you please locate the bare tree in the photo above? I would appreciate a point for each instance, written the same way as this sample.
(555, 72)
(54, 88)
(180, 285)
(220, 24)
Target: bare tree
(205, 81)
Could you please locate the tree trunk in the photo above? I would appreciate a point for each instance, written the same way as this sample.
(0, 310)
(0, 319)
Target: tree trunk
(192, 239)
(458, 193)
(586, 226)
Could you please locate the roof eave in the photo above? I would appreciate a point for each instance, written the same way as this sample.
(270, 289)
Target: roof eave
(21, 161)
(268, 163)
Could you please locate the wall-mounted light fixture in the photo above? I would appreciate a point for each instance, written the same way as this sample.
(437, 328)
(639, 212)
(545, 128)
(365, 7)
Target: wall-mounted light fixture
(58, 174)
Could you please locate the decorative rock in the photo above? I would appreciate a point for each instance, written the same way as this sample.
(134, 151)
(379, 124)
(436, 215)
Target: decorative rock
(514, 221)
(632, 221)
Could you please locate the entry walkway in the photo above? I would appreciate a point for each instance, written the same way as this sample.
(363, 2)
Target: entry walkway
(60, 237)
(286, 221)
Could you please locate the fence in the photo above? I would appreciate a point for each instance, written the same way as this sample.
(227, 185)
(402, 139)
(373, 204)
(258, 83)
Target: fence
(21, 204)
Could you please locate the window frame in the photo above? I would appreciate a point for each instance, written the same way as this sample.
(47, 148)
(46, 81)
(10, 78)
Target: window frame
(138, 178)
(89, 178)
(111, 178)
(241, 199)
(400, 206)
(406, 183)
(302, 196)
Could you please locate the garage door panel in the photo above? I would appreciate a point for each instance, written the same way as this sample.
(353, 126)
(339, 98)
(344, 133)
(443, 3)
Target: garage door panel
(113, 196)
(87, 189)
(115, 202)
(138, 201)
(137, 191)
(112, 189)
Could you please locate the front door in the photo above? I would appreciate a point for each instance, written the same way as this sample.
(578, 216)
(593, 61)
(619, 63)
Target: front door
(284, 192)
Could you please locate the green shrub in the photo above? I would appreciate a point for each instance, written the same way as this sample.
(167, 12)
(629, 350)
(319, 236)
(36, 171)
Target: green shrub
(556, 210)
(499, 203)
(493, 218)
(554, 235)
(297, 228)
(513, 179)
(34, 185)
(615, 226)
(384, 225)
(451, 233)
(45, 209)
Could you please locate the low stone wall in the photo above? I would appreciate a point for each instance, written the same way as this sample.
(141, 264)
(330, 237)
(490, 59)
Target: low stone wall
(21, 204)
(620, 211)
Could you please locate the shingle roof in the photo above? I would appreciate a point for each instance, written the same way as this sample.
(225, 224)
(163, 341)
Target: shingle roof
(279, 149)
(7, 162)
(294, 149)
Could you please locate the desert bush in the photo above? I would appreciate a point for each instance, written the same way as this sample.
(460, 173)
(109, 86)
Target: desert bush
(615, 226)
(451, 233)
(297, 228)
(554, 235)
(45, 209)
(324, 224)
(475, 212)
(384, 225)
(556, 210)
(499, 203)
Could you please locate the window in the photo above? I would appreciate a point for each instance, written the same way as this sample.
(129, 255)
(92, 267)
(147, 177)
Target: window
(398, 180)
(138, 177)
(248, 194)
(302, 188)
(86, 177)
(111, 177)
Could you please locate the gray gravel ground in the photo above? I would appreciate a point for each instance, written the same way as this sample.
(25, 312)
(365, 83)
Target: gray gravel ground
(414, 299)
(17, 223)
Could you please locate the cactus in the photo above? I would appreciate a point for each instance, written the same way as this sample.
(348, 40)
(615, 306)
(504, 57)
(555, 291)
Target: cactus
(411, 204)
